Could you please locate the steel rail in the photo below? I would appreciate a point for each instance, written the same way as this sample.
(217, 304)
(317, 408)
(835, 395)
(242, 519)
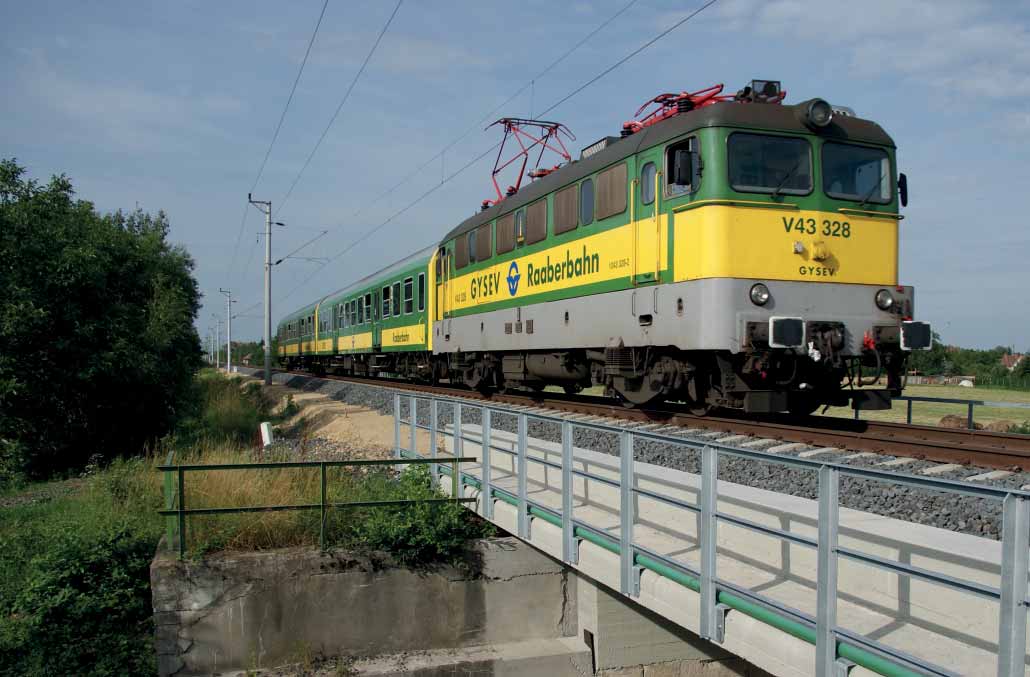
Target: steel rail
(988, 449)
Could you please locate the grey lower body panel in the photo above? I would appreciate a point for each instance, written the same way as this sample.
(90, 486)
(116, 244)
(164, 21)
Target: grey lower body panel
(711, 314)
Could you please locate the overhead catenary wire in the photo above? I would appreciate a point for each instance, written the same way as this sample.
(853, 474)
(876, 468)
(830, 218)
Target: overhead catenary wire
(343, 101)
(275, 136)
(483, 154)
(493, 111)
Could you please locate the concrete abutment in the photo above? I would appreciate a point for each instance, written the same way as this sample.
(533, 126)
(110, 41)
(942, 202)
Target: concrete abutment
(513, 611)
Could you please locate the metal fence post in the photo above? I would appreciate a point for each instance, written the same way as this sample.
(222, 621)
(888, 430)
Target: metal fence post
(1015, 552)
(459, 441)
(709, 531)
(455, 479)
(169, 497)
(626, 512)
(826, 577)
(434, 469)
(484, 460)
(321, 532)
(908, 414)
(969, 417)
(856, 413)
(397, 425)
(413, 419)
(182, 514)
(523, 523)
(568, 531)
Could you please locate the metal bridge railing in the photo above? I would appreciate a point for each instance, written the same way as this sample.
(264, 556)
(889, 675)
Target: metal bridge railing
(835, 647)
(176, 511)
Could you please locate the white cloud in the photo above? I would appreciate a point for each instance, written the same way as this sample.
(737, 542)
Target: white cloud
(126, 116)
(952, 47)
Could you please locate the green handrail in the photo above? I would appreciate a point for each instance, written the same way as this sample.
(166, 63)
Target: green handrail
(176, 512)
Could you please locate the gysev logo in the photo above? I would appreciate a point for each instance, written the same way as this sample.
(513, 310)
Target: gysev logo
(513, 278)
(587, 264)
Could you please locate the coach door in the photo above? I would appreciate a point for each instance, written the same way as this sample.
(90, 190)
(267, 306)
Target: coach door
(376, 321)
(442, 307)
(647, 235)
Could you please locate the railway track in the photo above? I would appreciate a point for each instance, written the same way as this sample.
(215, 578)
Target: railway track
(1002, 451)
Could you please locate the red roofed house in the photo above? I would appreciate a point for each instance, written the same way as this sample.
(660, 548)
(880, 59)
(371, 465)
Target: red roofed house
(1011, 361)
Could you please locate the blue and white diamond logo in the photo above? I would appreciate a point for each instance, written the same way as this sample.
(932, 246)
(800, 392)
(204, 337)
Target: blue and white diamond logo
(513, 278)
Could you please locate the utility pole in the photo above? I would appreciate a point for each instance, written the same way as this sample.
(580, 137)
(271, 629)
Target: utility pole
(266, 208)
(228, 328)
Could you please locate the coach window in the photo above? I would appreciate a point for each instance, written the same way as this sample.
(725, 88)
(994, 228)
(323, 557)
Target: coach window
(421, 292)
(520, 227)
(762, 163)
(611, 191)
(586, 202)
(647, 176)
(386, 302)
(682, 167)
(461, 251)
(361, 312)
(484, 243)
(506, 233)
(566, 202)
(396, 298)
(536, 221)
(470, 245)
(368, 307)
(409, 291)
(353, 313)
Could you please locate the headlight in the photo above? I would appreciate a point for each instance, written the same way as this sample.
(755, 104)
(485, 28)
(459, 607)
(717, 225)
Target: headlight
(819, 113)
(759, 294)
(884, 300)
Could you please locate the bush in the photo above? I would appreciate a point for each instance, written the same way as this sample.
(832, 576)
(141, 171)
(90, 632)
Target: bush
(1021, 428)
(415, 535)
(75, 578)
(96, 324)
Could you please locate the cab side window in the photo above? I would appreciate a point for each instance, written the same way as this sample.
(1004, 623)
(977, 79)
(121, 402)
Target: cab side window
(683, 167)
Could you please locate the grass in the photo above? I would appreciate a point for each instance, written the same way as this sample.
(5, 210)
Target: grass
(931, 413)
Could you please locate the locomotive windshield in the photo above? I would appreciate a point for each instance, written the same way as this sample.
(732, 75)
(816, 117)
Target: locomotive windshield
(856, 173)
(760, 163)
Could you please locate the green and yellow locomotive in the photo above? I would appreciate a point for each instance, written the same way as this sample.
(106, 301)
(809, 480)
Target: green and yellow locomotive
(725, 251)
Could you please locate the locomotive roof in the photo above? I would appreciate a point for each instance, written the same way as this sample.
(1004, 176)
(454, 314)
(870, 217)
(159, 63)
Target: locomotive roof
(758, 116)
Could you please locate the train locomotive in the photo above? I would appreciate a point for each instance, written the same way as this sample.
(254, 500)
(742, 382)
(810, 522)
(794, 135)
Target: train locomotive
(726, 251)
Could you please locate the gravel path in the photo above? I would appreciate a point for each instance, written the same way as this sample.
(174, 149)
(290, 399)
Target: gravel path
(981, 517)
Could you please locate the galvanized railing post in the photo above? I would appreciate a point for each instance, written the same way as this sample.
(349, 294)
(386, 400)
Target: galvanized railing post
(484, 460)
(397, 425)
(434, 469)
(413, 423)
(322, 502)
(182, 514)
(459, 440)
(908, 413)
(826, 575)
(857, 410)
(523, 470)
(568, 532)
(626, 512)
(969, 417)
(709, 532)
(1015, 552)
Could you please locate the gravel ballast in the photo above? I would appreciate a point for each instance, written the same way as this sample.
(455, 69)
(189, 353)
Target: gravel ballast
(980, 517)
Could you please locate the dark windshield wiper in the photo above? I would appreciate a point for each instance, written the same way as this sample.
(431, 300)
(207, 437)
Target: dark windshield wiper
(869, 195)
(788, 177)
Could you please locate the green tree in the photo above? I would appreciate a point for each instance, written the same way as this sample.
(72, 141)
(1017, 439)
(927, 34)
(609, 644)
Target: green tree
(96, 328)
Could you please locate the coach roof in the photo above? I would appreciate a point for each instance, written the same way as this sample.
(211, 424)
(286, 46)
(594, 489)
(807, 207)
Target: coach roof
(758, 116)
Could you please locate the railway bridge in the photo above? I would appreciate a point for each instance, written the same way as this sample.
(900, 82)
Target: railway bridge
(795, 586)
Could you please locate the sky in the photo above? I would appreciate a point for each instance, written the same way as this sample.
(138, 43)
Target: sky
(172, 106)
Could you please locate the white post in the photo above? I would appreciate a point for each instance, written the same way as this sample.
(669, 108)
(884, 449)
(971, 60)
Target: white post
(228, 329)
(266, 207)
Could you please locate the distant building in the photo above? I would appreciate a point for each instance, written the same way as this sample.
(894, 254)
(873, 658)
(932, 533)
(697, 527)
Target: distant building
(1010, 362)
